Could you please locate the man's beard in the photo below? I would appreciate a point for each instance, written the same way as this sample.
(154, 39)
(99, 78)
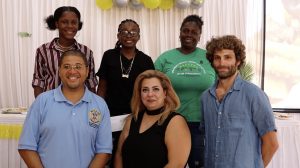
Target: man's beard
(224, 75)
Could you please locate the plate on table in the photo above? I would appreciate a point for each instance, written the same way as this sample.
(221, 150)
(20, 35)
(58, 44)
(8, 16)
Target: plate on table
(13, 110)
(282, 116)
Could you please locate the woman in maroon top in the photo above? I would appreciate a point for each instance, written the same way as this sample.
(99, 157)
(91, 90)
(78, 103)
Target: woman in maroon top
(67, 20)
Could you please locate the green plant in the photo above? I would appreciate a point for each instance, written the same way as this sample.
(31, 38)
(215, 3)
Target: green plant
(247, 71)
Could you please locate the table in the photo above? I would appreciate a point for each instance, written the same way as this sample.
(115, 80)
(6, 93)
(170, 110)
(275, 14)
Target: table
(10, 130)
(296, 116)
(288, 154)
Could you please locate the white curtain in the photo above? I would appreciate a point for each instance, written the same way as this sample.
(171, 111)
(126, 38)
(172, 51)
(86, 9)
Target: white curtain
(159, 32)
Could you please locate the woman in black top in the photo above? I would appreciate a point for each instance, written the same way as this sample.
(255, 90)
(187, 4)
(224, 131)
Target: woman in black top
(154, 136)
(118, 70)
(120, 67)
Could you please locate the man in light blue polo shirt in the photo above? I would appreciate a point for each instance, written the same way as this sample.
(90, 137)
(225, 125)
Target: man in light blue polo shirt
(69, 126)
(239, 124)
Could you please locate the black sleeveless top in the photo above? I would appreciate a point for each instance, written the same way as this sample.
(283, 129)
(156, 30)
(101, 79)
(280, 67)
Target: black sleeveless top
(146, 149)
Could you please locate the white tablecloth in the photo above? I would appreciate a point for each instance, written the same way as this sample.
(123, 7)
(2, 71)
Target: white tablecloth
(295, 116)
(288, 154)
(9, 156)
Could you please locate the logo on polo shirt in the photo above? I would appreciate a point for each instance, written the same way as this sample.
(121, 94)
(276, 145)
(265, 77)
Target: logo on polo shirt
(188, 68)
(94, 118)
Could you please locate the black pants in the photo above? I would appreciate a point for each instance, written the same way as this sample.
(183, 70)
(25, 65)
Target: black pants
(196, 158)
(115, 138)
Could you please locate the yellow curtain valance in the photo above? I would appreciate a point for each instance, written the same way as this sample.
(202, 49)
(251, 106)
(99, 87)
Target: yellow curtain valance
(10, 131)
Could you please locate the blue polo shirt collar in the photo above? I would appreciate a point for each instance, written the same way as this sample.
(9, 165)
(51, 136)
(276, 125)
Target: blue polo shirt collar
(59, 96)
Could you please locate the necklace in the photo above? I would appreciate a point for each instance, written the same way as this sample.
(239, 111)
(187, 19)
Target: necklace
(155, 112)
(125, 72)
(64, 48)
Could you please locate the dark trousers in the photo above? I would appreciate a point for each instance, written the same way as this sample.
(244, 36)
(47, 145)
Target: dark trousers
(115, 138)
(196, 158)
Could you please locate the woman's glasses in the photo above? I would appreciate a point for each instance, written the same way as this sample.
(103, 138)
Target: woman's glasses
(126, 33)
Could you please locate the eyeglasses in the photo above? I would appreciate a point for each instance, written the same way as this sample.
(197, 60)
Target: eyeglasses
(126, 33)
(68, 67)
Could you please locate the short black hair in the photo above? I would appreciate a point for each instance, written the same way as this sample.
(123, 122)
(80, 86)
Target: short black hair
(50, 20)
(73, 53)
(193, 18)
(118, 44)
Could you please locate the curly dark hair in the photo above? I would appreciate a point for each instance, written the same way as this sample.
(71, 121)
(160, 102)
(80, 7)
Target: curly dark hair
(50, 20)
(230, 42)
